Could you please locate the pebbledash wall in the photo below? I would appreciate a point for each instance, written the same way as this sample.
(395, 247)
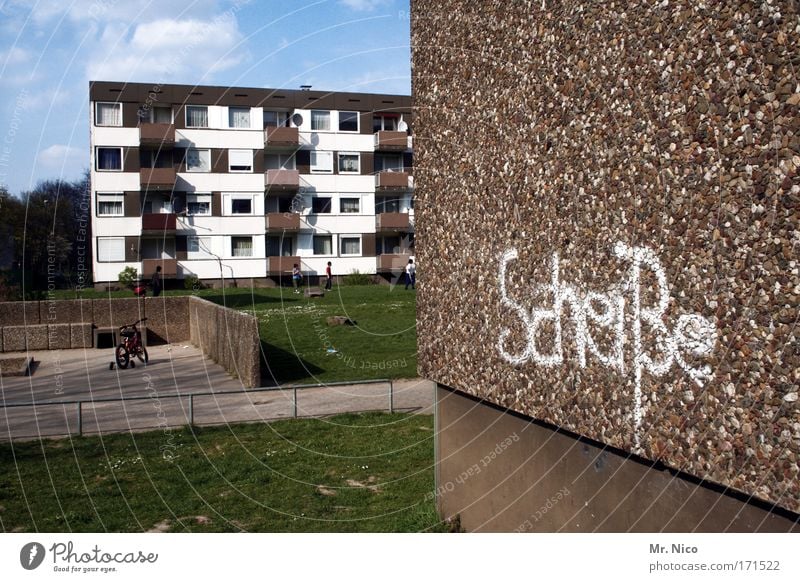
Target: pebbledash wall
(608, 211)
(227, 336)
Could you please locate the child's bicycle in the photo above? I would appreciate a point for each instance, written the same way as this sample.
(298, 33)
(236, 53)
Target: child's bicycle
(131, 345)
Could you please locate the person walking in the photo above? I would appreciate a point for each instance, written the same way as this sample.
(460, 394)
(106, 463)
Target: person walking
(328, 277)
(156, 282)
(297, 276)
(411, 274)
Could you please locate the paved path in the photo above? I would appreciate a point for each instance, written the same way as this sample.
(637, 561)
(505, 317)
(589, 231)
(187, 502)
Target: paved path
(175, 370)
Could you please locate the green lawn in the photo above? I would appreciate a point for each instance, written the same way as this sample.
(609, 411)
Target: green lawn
(295, 336)
(368, 472)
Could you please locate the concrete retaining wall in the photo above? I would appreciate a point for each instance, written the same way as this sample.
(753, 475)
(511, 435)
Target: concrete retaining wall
(228, 337)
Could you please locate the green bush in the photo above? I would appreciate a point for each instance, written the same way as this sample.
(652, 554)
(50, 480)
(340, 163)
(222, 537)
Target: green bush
(192, 283)
(128, 276)
(356, 278)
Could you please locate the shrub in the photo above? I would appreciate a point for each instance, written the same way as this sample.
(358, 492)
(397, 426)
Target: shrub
(128, 276)
(191, 282)
(356, 278)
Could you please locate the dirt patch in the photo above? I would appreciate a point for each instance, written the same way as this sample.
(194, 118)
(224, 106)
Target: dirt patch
(202, 520)
(160, 527)
(370, 484)
(325, 491)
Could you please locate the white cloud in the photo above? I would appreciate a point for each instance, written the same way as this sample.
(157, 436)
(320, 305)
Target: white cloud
(85, 12)
(15, 56)
(167, 49)
(63, 159)
(363, 5)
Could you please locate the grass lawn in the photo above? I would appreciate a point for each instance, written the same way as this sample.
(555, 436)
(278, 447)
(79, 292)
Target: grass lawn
(349, 473)
(295, 336)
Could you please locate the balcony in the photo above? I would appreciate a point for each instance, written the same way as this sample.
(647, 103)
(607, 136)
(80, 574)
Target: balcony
(157, 178)
(391, 141)
(158, 223)
(282, 180)
(387, 181)
(392, 221)
(283, 221)
(282, 265)
(281, 138)
(391, 263)
(157, 134)
(169, 268)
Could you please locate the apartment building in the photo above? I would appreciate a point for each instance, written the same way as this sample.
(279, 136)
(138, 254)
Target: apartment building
(239, 184)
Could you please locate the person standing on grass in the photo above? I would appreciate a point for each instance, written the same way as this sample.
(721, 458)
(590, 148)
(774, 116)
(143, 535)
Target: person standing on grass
(411, 274)
(328, 277)
(297, 276)
(156, 283)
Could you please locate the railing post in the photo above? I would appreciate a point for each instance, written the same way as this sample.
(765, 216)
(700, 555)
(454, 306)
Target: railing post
(294, 401)
(191, 409)
(80, 418)
(391, 396)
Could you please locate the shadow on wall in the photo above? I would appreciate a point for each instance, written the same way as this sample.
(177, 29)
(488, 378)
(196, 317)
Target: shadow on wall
(281, 367)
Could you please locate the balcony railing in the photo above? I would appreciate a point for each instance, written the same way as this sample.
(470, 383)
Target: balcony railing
(282, 265)
(283, 221)
(392, 263)
(157, 178)
(396, 141)
(392, 180)
(158, 223)
(282, 180)
(157, 134)
(169, 268)
(281, 138)
(392, 221)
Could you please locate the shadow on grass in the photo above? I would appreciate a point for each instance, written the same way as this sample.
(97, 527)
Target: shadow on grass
(245, 300)
(279, 366)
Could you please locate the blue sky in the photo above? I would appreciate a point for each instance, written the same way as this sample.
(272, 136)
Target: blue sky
(50, 49)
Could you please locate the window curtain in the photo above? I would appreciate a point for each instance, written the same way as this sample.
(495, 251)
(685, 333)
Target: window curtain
(320, 120)
(197, 117)
(351, 246)
(322, 245)
(242, 247)
(239, 118)
(348, 163)
(350, 205)
(109, 114)
(109, 159)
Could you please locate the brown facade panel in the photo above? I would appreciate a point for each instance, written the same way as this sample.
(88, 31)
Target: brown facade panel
(258, 162)
(181, 248)
(516, 467)
(216, 204)
(130, 114)
(368, 244)
(132, 203)
(219, 161)
(303, 161)
(130, 159)
(367, 163)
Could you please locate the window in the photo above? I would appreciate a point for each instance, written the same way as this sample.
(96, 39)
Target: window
(323, 244)
(388, 163)
(320, 120)
(321, 205)
(350, 205)
(109, 159)
(197, 247)
(282, 204)
(196, 116)
(109, 114)
(198, 160)
(279, 162)
(387, 205)
(322, 162)
(198, 204)
(349, 163)
(157, 205)
(350, 245)
(110, 250)
(242, 205)
(386, 122)
(161, 114)
(348, 121)
(276, 119)
(155, 158)
(109, 204)
(242, 246)
(240, 160)
(389, 245)
(239, 117)
(280, 246)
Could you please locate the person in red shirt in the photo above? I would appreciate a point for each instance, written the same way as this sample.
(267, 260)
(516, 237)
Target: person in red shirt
(328, 277)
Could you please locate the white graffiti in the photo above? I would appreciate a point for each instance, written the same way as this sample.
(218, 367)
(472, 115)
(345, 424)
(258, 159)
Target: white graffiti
(692, 334)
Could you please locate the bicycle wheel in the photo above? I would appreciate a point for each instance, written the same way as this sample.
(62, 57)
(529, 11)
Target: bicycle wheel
(122, 356)
(142, 354)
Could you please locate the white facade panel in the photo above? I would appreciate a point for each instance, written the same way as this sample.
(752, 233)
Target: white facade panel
(117, 226)
(339, 265)
(213, 182)
(115, 182)
(341, 223)
(111, 271)
(339, 142)
(116, 136)
(338, 183)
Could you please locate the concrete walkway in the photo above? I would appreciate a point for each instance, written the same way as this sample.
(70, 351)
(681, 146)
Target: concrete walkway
(164, 385)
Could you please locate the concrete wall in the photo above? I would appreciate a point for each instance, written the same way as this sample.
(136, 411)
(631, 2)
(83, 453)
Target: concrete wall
(499, 471)
(616, 191)
(228, 337)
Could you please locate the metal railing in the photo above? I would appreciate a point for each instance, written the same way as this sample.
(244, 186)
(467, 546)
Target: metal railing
(191, 404)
